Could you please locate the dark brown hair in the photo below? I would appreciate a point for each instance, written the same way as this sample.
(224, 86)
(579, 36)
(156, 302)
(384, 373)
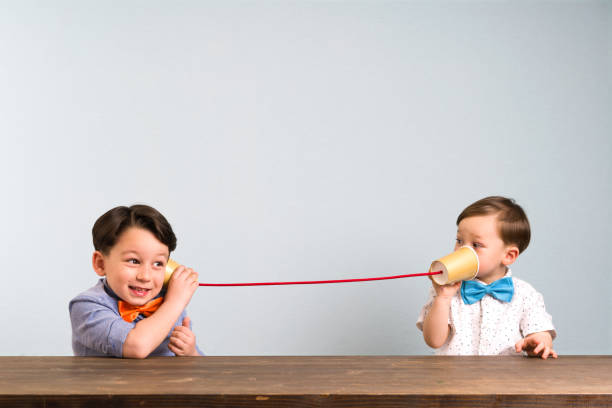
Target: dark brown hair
(110, 226)
(512, 221)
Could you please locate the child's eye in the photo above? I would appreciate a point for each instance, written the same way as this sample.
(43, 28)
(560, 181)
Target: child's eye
(133, 261)
(459, 241)
(477, 245)
(159, 264)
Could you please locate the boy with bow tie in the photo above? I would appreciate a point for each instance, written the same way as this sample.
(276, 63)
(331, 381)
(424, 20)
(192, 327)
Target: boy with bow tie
(496, 314)
(129, 313)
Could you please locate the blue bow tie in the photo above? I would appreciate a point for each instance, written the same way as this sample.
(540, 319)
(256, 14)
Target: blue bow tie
(472, 291)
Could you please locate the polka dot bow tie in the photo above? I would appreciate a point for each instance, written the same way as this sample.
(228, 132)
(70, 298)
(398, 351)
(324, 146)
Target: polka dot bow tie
(472, 291)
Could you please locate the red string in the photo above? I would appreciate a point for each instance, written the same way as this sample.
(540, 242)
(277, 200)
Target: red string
(322, 281)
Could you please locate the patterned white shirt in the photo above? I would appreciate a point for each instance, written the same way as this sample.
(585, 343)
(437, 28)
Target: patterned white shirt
(490, 326)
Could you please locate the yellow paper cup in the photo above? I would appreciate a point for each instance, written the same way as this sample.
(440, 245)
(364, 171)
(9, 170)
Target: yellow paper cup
(170, 267)
(460, 265)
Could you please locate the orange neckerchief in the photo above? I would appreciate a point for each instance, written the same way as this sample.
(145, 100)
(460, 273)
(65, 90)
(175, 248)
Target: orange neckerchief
(130, 312)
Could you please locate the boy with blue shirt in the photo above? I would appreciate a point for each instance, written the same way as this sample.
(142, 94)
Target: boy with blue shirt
(495, 314)
(129, 313)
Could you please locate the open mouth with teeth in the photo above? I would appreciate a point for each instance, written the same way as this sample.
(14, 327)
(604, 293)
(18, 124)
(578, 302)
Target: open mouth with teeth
(138, 291)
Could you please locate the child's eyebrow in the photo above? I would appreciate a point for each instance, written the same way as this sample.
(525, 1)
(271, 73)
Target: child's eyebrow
(473, 236)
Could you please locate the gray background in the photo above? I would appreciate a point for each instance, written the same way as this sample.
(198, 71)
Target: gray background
(304, 140)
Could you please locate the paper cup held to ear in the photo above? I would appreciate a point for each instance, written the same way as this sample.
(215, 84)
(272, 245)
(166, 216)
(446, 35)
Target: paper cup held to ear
(460, 265)
(170, 267)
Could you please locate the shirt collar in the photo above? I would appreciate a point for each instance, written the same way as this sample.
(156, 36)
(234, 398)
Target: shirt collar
(108, 290)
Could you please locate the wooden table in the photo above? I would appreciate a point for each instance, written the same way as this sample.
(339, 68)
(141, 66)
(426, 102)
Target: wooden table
(357, 381)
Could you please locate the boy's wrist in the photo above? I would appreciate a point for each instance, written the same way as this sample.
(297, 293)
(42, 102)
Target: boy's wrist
(443, 302)
(443, 298)
(173, 304)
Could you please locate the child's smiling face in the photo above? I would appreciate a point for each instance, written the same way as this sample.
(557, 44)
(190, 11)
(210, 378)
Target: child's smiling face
(135, 266)
(482, 234)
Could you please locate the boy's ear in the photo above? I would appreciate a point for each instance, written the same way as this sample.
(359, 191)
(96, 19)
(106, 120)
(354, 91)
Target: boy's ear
(512, 252)
(98, 263)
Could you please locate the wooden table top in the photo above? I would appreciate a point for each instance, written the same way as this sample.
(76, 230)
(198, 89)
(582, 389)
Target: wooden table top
(334, 381)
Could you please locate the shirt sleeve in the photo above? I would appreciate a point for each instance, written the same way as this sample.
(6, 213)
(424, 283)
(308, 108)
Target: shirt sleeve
(97, 327)
(535, 318)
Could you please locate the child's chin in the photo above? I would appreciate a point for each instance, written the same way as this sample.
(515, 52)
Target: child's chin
(140, 301)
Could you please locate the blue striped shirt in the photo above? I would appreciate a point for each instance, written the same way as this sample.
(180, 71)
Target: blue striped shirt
(99, 330)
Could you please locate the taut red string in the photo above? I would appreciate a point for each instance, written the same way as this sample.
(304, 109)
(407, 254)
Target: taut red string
(322, 281)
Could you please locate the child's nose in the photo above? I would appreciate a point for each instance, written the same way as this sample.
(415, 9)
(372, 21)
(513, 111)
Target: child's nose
(144, 273)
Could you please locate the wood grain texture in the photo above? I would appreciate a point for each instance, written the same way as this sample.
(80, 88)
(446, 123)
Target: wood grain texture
(335, 381)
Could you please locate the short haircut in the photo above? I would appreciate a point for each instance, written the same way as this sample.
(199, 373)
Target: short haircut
(512, 221)
(108, 228)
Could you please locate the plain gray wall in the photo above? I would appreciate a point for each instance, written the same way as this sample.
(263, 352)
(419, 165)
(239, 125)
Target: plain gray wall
(304, 140)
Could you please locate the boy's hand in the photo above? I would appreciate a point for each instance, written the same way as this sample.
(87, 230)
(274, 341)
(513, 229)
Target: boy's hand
(445, 291)
(182, 286)
(182, 340)
(537, 344)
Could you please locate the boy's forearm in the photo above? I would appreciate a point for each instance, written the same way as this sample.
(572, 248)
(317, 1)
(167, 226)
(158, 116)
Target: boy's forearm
(150, 332)
(435, 325)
